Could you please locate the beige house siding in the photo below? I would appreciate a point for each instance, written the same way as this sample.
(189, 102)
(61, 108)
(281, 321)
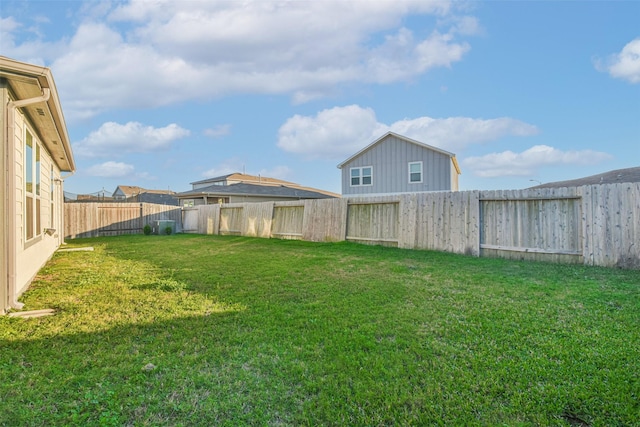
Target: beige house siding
(34, 253)
(29, 103)
(4, 223)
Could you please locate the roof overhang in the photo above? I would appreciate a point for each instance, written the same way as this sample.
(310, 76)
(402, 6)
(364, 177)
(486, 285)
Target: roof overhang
(28, 81)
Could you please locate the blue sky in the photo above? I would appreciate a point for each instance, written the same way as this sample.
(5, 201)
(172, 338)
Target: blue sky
(159, 94)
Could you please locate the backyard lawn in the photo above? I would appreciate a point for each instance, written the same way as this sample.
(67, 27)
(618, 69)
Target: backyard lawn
(207, 330)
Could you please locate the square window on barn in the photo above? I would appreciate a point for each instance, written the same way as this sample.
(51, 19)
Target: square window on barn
(415, 172)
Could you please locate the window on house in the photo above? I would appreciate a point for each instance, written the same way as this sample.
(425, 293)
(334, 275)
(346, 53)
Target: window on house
(37, 198)
(415, 172)
(51, 194)
(28, 186)
(32, 187)
(361, 176)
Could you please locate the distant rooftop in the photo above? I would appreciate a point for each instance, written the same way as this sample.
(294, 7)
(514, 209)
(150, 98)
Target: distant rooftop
(612, 177)
(254, 185)
(269, 190)
(241, 177)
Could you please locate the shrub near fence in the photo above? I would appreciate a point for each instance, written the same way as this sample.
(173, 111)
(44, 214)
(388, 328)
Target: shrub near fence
(595, 225)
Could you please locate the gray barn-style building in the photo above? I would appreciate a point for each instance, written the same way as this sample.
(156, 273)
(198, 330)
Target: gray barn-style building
(396, 164)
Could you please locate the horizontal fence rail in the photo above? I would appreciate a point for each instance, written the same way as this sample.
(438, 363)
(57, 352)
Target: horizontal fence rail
(594, 225)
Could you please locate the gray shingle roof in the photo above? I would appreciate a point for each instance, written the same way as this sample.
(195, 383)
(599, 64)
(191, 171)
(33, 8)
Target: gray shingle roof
(242, 189)
(611, 177)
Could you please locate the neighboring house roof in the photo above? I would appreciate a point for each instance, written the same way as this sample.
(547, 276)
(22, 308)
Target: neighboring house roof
(158, 198)
(132, 190)
(244, 189)
(128, 190)
(237, 177)
(139, 194)
(404, 138)
(611, 177)
(30, 81)
(258, 181)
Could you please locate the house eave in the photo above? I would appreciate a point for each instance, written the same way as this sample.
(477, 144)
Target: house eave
(28, 81)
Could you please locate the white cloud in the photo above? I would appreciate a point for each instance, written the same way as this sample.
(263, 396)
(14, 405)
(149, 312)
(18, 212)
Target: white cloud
(331, 134)
(456, 133)
(218, 131)
(111, 170)
(624, 65)
(527, 162)
(33, 50)
(341, 131)
(133, 137)
(149, 54)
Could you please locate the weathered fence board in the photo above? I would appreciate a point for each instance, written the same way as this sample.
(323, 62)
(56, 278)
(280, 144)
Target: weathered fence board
(231, 219)
(110, 219)
(287, 221)
(373, 221)
(324, 220)
(532, 224)
(257, 219)
(596, 225)
(612, 225)
(190, 220)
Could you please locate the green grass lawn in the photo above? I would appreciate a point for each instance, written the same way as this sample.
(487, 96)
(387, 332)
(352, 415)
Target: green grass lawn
(206, 330)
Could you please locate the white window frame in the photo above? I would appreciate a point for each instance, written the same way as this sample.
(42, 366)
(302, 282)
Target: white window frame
(421, 173)
(360, 176)
(33, 199)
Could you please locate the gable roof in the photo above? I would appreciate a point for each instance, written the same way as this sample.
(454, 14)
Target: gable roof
(30, 81)
(241, 177)
(128, 190)
(132, 190)
(404, 138)
(612, 177)
(244, 189)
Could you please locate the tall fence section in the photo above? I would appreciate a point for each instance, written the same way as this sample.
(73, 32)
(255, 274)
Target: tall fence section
(594, 225)
(111, 219)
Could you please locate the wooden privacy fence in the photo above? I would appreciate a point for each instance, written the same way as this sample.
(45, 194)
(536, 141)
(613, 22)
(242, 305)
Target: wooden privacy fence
(595, 225)
(111, 219)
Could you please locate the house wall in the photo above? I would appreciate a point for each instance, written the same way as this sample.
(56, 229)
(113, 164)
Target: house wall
(4, 99)
(33, 254)
(390, 161)
(454, 179)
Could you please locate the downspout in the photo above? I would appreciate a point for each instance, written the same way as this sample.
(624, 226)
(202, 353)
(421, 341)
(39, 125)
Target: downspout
(12, 235)
(62, 208)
